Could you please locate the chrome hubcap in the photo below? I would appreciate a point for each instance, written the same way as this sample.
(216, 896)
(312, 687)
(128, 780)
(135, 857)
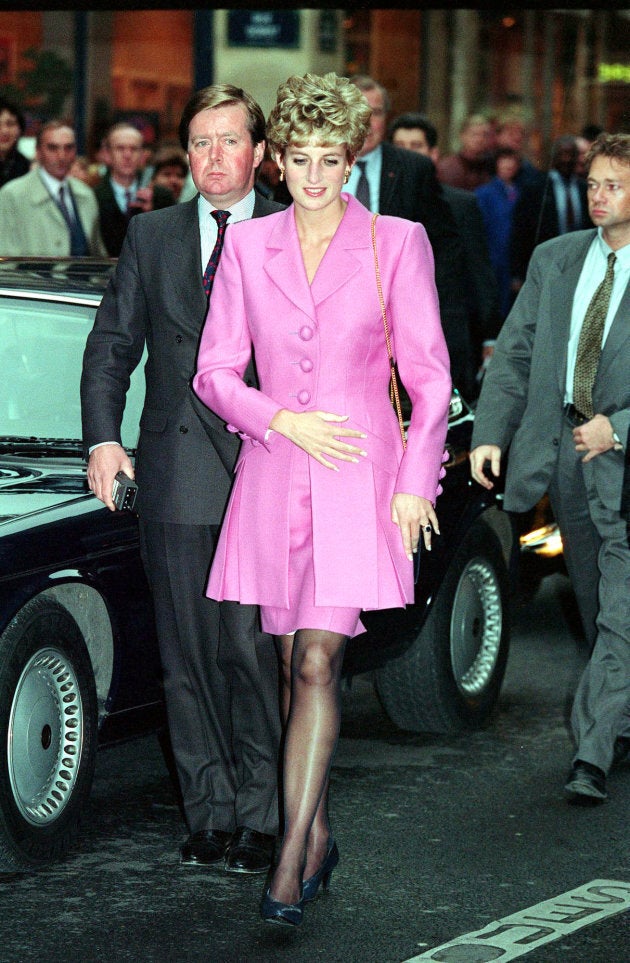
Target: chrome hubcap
(45, 737)
(476, 626)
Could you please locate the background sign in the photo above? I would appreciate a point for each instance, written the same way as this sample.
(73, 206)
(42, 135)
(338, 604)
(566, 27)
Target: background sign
(263, 28)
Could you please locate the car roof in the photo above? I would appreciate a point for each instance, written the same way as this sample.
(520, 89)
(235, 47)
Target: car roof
(87, 277)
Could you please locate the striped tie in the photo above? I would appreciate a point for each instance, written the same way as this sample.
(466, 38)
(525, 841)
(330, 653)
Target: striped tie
(211, 269)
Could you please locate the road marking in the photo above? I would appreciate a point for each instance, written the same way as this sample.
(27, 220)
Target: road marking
(513, 936)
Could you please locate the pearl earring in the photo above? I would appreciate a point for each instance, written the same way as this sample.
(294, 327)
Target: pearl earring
(281, 174)
(347, 175)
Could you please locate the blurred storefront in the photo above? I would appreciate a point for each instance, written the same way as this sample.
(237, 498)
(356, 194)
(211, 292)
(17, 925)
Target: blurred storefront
(562, 69)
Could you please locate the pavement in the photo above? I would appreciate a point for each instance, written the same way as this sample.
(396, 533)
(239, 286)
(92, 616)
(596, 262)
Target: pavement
(439, 837)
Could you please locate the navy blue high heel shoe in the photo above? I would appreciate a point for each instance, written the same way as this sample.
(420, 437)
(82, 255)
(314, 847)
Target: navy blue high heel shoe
(310, 886)
(289, 914)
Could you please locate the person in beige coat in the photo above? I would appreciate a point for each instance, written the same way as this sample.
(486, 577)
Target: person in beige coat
(46, 212)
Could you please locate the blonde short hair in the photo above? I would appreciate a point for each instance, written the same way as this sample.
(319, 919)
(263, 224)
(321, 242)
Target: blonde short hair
(326, 109)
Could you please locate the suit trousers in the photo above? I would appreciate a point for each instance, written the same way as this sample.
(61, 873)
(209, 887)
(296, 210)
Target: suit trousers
(220, 684)
(598, 561)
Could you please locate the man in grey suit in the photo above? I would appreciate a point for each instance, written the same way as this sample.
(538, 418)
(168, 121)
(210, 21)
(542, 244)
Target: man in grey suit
(220, 671)
(564, 412)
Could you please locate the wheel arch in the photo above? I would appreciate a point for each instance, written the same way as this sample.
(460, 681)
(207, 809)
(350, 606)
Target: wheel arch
(87, 607)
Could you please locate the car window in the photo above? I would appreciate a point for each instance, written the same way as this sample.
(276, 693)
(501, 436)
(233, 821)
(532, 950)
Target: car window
(41, 354)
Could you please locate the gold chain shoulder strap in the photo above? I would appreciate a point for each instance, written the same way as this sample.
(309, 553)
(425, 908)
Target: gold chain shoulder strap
(392, 364)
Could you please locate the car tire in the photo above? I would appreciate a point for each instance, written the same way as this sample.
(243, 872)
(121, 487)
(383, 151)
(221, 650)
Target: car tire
(48, 734)
(450, 677)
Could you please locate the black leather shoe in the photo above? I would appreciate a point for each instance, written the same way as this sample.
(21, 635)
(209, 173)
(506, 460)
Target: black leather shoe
(586, 783)
(621, 750)
(249, 851)
(205, 848)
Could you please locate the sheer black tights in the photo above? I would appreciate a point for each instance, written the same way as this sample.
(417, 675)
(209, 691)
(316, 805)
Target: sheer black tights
(311, 663)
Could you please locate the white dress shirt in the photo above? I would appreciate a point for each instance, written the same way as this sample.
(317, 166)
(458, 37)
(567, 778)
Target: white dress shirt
(241, 211)
(592, 275)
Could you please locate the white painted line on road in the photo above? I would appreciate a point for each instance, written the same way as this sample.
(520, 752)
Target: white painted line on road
(513, 936)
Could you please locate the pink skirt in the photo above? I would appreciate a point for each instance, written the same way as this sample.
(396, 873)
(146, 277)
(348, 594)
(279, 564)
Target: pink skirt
(302, 612)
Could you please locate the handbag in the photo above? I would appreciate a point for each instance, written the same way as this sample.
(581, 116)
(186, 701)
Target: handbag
(394, 389)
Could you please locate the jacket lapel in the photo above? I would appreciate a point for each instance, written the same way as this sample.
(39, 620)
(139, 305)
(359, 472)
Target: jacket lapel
(340, 262)
(284, 264)
(617, 336)
(184, 256)
(561, 303)
(389, 178)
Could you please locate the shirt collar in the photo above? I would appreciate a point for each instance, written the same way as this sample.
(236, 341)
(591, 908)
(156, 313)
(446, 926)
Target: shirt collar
(240, 211)
(52, 184)
(120, 192)
(622, 254)
(372, 158)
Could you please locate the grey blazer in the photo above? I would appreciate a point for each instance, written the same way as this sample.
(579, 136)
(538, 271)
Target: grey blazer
(185, 454)
(522, 398)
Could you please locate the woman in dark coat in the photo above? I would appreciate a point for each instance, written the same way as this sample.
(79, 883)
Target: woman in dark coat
(12, 163)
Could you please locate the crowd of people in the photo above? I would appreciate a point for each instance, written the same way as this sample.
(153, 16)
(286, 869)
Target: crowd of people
(61, 204)
(485, 207)
(311, 506)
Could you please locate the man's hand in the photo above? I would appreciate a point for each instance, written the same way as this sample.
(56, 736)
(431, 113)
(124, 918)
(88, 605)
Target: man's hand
(594, 437)
(478, 457)
(104, 464)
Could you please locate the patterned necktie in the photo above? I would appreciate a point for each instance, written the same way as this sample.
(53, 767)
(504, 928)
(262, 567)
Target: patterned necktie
(211, 269)
(590, 342)
(64, 207)
(363, 186)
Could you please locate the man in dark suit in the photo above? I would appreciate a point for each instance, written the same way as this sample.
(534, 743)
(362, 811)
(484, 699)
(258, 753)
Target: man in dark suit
(548, 205)
(414, 131)
(557, 394)
(220, 671)
(404, 184)
(119, 193)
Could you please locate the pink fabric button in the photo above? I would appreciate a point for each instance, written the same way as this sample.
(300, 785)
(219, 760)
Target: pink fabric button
(304, 397)
(306, 364)
(306, 332)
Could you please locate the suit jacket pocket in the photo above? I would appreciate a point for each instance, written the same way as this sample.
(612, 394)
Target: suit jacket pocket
(154, 419)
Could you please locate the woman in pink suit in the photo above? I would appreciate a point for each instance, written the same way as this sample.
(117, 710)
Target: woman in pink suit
(326, 509)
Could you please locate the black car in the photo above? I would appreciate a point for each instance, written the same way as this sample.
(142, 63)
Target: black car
(79, 664)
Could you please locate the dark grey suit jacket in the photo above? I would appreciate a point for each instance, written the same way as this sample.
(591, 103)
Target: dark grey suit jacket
(113, 222)
(535, 220)
(522, 398)
(409, 188)
(185, 454)
(482, 290)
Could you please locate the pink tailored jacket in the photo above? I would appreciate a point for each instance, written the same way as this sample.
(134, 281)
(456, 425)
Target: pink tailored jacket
(322, 347)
